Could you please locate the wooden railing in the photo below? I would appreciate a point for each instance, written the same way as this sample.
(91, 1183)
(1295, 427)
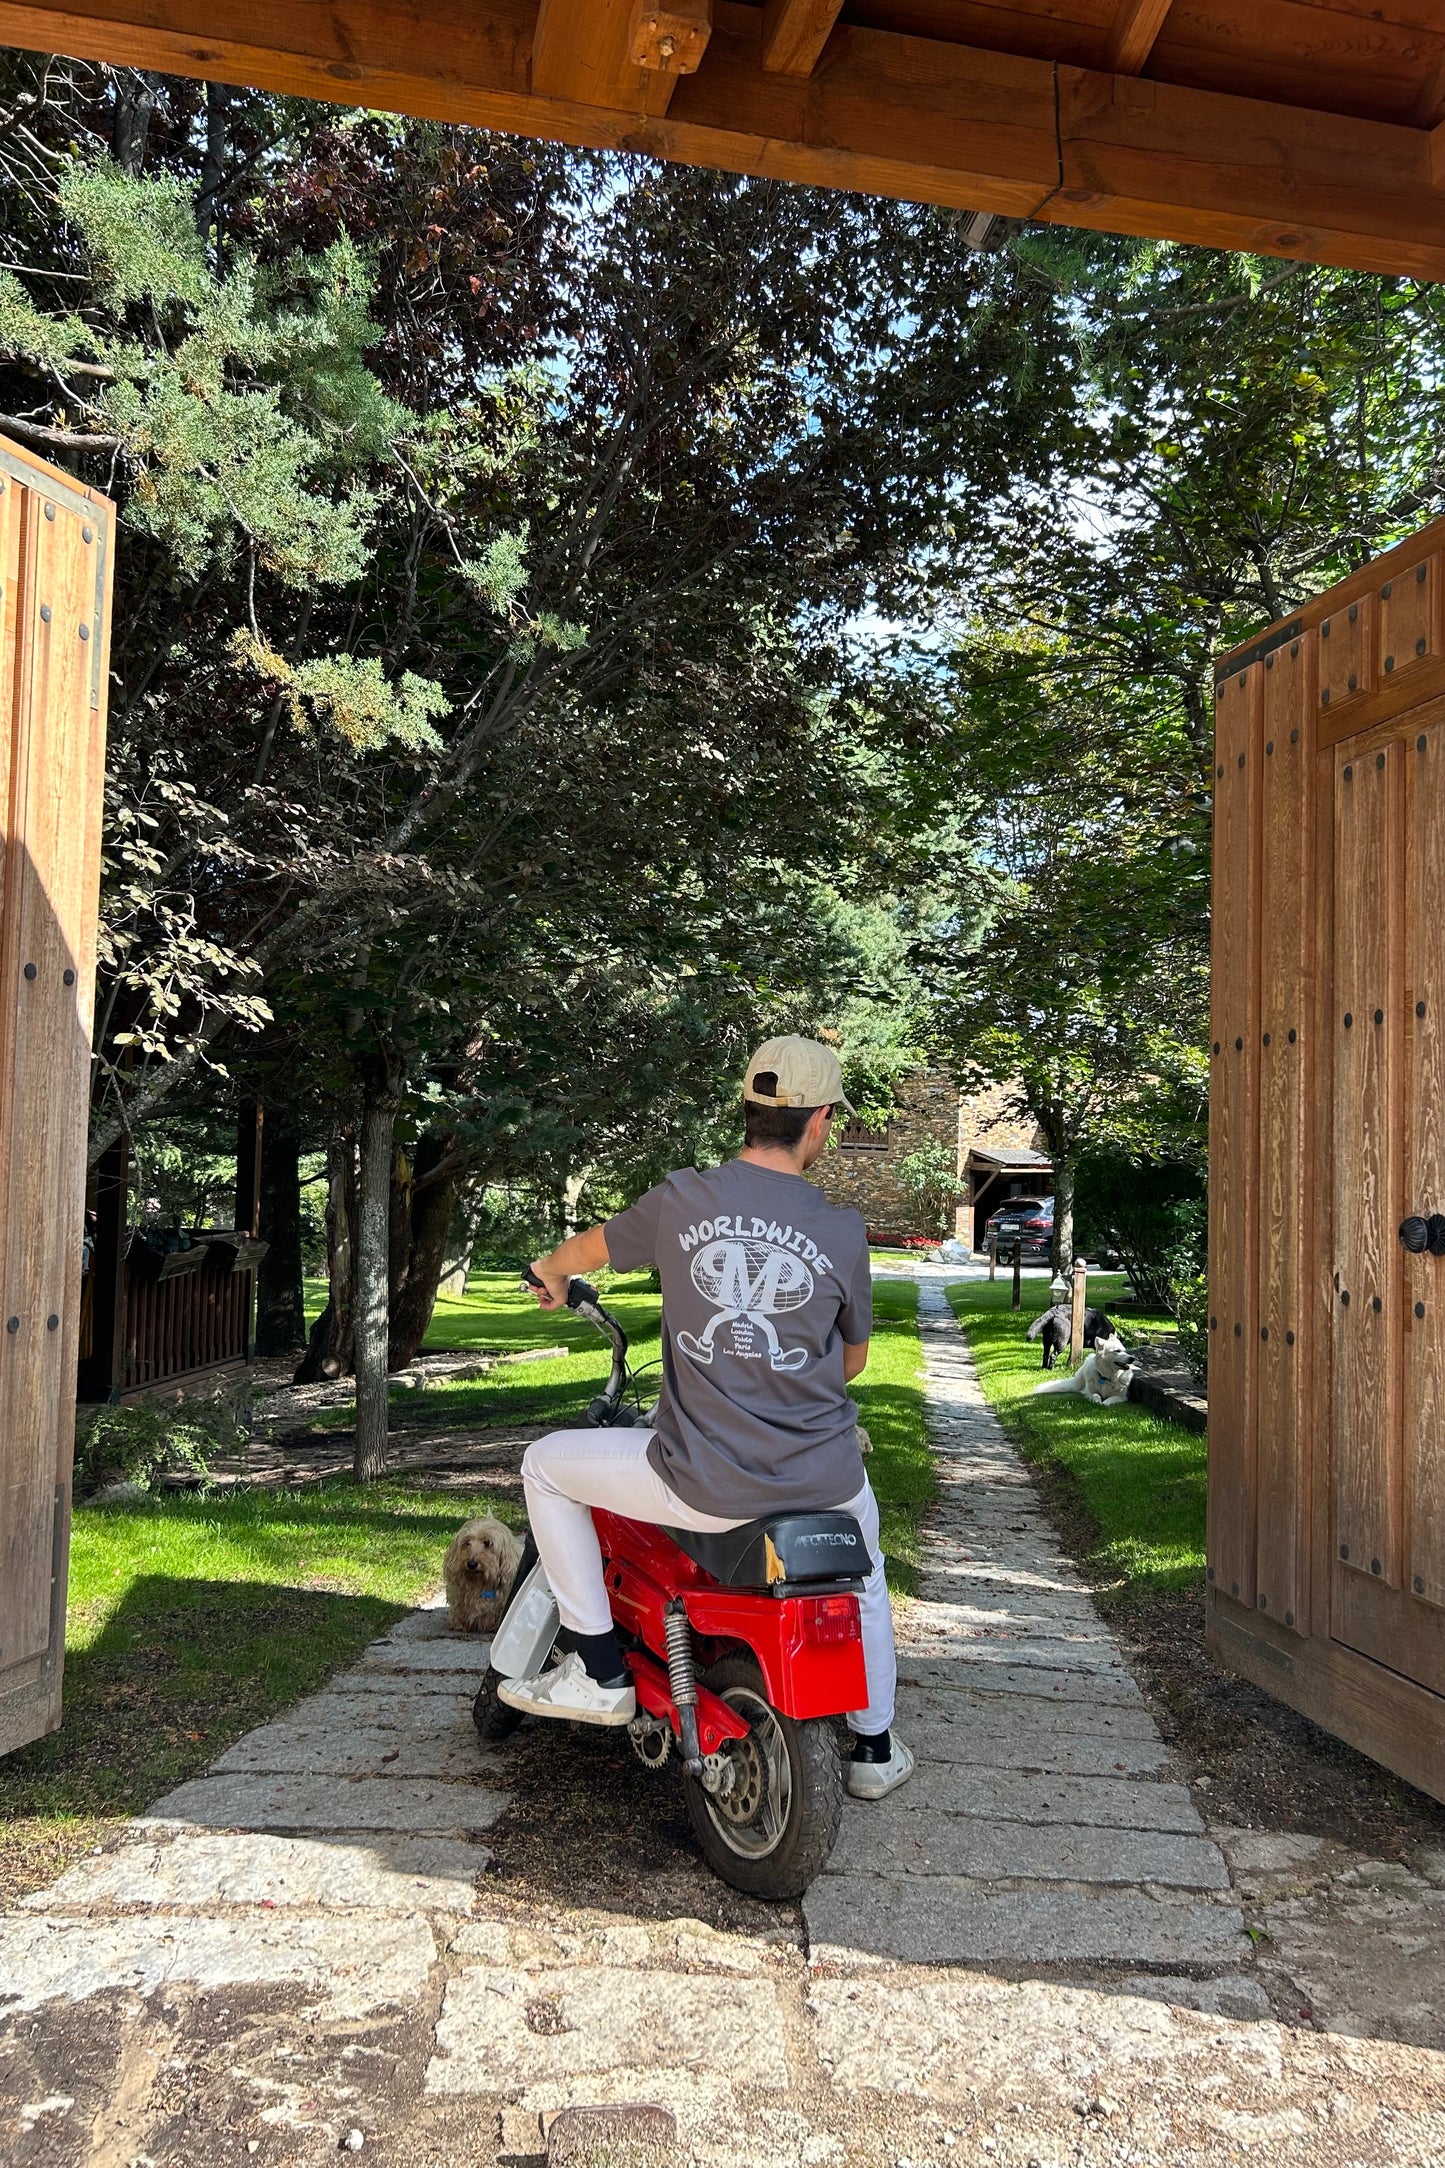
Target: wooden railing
(188, 1311)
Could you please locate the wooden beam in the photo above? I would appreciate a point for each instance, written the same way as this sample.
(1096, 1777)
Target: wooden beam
(898, 116)
(622, 54)
(795, 32)
(1136, 25)
(1437, 156)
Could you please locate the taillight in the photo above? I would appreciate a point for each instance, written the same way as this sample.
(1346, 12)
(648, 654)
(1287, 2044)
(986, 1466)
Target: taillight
(828, 1620)
(1036, 1223)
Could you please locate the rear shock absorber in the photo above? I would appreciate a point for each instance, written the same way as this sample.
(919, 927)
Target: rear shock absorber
(682, 1679)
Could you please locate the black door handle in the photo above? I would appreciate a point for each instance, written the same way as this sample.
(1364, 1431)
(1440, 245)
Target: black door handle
(1418, 1233)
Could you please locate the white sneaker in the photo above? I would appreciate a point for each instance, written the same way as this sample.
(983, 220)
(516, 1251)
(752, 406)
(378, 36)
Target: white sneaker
(875, 1779)
(569, 1691)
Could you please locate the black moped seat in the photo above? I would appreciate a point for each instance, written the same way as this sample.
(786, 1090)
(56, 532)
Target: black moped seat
(781, 1553)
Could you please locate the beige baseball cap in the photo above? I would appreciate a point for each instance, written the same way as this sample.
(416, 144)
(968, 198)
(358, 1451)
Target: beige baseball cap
(808, 1074)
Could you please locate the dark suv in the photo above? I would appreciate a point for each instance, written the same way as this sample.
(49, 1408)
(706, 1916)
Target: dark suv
(1031, 1217)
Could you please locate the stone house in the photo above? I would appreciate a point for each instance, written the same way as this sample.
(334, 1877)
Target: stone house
(995, 1153)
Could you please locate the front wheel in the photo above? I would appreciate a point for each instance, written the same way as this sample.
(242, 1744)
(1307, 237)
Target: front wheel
(771, 1832)
(493, 1718)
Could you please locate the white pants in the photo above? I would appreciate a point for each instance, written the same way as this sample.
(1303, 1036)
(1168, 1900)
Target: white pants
(570, 1471)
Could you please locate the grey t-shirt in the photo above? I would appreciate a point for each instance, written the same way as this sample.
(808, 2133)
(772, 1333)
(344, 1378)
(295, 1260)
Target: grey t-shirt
(762, 1283)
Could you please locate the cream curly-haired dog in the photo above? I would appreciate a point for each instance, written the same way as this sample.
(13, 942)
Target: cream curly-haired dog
(480, 1567)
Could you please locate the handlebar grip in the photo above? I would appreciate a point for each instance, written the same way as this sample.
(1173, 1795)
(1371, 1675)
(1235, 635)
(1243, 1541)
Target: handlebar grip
(530, 1279)
(579, 1292)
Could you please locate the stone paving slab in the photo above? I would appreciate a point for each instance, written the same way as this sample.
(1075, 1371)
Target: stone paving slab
(427, 1715)
(939, 1920)
(465, 1654)
(449, 1748)
(1050, 1700)
(43, 1958)
(954, 1674)
(401, 1686)
(947, 1631)
(1018, 1606)
(951, 2036)
(501, 2031)
(413, 1804)
(1065, 1752)
(980, 1849)
(206, 1871)
(1012, 1795)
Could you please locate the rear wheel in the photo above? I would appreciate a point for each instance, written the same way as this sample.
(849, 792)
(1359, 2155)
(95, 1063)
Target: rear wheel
(770, 1832)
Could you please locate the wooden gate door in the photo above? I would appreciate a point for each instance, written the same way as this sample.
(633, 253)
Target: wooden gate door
(55, 569)
(1387, 969)
(1327, 1309)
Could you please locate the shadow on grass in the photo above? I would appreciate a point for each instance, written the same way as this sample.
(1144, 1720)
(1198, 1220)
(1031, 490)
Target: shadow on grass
(179, 1670)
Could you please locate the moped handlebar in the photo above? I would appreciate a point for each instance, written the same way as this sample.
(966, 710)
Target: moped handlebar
(583, 1298)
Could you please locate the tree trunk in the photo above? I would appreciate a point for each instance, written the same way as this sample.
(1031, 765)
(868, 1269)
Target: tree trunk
(1063, 1252)
(457, 1262)
(572, 1189)
(330, 1350)
(130, 127)
(431, 1201)
(280, 1297)
(373, 1279)
(215, 159)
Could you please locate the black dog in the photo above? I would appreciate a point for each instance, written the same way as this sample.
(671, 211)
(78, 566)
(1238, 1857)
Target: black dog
(1052, 1326)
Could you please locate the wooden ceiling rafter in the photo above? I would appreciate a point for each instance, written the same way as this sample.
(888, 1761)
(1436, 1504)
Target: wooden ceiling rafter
(1133, 35)
(623, 54)
(795, 32)
(888, 112)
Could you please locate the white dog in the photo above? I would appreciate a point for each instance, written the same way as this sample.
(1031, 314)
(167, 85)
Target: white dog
(1105, 1377)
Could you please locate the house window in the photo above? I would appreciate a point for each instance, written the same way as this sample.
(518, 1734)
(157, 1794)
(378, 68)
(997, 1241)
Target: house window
(856, 1136)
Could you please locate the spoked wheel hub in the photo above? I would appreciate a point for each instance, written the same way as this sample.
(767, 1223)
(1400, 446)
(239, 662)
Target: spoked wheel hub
(750, 1812)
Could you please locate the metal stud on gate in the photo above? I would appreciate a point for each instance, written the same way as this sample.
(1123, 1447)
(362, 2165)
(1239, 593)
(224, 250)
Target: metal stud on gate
(50, 511)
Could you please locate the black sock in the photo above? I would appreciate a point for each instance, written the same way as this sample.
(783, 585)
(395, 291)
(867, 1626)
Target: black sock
(601, 1655)
(876, 1746)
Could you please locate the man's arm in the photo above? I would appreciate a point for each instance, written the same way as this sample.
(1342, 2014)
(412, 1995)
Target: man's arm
(855, 1359)
(577, 1255)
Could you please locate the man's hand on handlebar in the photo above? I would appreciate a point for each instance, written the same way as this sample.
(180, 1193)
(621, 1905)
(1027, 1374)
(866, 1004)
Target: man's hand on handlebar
(551, 1286)
(576, 1257)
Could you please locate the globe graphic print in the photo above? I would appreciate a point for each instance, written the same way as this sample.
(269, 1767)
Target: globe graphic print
(744, 1275)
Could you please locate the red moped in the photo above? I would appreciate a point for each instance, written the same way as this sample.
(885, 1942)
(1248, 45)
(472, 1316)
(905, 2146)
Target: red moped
(745, 1649)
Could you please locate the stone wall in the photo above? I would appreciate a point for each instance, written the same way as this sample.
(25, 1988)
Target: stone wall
(929, 1108)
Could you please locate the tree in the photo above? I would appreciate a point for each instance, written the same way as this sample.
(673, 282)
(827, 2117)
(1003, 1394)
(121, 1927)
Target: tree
(929, 1176)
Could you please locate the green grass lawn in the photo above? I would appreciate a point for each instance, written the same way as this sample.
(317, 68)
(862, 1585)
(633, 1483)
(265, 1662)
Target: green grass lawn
(192, 1619)
(1139, 1478)
(497, 1312)
(890, 1400)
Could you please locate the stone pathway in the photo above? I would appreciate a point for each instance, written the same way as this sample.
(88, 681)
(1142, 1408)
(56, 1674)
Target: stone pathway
(1030, 1958)
(1042, 1827)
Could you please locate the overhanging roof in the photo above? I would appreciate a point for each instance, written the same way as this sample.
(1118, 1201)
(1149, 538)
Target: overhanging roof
(1298, 128)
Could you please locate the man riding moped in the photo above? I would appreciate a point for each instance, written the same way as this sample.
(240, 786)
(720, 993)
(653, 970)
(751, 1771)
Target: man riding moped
(767, 1311)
